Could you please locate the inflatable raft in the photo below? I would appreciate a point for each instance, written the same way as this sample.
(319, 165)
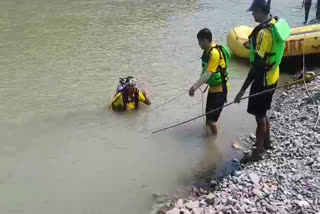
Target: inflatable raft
(302, 39)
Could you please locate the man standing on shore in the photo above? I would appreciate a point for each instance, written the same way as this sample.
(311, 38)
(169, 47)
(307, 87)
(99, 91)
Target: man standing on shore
(265, 55)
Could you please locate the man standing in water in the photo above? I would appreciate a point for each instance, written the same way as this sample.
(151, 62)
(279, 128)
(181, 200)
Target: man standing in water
(265, 55)
(307, 5)
(214, 73)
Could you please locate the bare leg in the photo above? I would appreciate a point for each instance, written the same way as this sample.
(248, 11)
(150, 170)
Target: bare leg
(213, 127)
(267, 140)
(260, 133)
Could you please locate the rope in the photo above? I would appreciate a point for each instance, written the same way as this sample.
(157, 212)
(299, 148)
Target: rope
(202, 109)
(202, 101)
(169, 101)
(226, 105)
(176, 97)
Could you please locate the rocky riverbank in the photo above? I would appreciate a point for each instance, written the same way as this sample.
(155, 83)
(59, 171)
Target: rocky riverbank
(287, 180)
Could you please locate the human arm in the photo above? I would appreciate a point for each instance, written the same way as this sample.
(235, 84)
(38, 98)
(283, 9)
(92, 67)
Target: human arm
(256, 71)
(203, 79)
(117, 102)
(213, 63)
(143, 98)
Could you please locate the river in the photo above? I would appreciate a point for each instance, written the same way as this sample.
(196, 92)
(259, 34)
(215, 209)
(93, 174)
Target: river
(62, 150)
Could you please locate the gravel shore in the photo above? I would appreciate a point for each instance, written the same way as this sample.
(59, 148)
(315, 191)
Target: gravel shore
(287, 180)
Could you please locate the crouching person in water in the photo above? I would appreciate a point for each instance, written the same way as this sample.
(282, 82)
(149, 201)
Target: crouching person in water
(128, 97)
(215, 74)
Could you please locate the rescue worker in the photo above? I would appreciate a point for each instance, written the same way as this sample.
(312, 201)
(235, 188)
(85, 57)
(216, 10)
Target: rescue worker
(215, 74)
(307, 5)
(128, 96)
(318, 10)
(265, 54)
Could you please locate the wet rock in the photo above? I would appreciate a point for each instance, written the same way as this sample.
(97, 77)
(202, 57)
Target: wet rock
(238, 173)
(213, 183)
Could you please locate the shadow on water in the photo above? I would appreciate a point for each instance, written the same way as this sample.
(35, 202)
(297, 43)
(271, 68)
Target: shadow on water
(292, 65)
(214, 166)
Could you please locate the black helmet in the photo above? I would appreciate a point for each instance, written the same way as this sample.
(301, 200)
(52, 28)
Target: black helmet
(262, 4)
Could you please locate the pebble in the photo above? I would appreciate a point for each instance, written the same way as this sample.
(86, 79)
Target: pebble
(185, 211)
(210, 196)
(298, 143)
(213, 183)
(236, 145)
(257, 193)
(254, 178)
(300, 197)
(192, 204)
(303, 204)
(196, 211)
(173, 211)
(179, 203)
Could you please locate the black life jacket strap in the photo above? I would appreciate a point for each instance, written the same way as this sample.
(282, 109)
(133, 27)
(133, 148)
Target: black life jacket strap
(125, 98)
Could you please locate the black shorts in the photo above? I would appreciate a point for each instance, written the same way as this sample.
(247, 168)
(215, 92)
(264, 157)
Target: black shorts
(259, 105)
(214, 101)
